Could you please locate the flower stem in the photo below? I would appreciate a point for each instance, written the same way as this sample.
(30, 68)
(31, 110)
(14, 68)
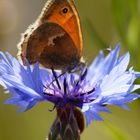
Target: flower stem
(65, 126)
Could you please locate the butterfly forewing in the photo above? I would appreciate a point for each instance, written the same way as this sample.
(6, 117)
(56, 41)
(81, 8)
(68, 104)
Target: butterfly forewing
(55, 39)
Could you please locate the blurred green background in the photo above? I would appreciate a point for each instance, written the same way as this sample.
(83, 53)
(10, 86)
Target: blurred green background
(104, 24)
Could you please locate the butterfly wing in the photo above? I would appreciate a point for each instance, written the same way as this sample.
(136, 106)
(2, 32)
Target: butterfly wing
(69, 21)
(51, 46)
(55, 39)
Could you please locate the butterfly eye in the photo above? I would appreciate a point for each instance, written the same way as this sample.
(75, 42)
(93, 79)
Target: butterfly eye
(65, 10)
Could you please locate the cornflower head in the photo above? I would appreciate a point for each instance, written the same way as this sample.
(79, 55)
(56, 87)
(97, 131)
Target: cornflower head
(107, 81)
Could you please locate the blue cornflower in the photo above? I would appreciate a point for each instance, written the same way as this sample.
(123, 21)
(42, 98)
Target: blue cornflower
(107, 81)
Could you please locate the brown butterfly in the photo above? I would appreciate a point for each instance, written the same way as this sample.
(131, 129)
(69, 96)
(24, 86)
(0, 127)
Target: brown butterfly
(55, 39)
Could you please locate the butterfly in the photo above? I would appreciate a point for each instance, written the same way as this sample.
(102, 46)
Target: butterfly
(55, 39)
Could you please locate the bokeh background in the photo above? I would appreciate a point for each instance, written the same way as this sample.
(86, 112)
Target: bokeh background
(104, 24)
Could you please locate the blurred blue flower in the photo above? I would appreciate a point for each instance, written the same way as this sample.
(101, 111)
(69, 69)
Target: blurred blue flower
(107, 81)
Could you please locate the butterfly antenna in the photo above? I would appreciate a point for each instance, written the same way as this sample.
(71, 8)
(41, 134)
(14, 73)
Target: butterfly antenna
(56, 77)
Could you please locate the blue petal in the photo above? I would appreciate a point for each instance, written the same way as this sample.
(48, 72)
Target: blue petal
(115, 84)
(24, 83)
(104, 66)
(92, 113)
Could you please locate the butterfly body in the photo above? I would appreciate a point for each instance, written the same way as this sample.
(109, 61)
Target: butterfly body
(55, 39)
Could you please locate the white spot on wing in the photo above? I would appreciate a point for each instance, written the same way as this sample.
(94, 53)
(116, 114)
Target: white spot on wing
(51, 39)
